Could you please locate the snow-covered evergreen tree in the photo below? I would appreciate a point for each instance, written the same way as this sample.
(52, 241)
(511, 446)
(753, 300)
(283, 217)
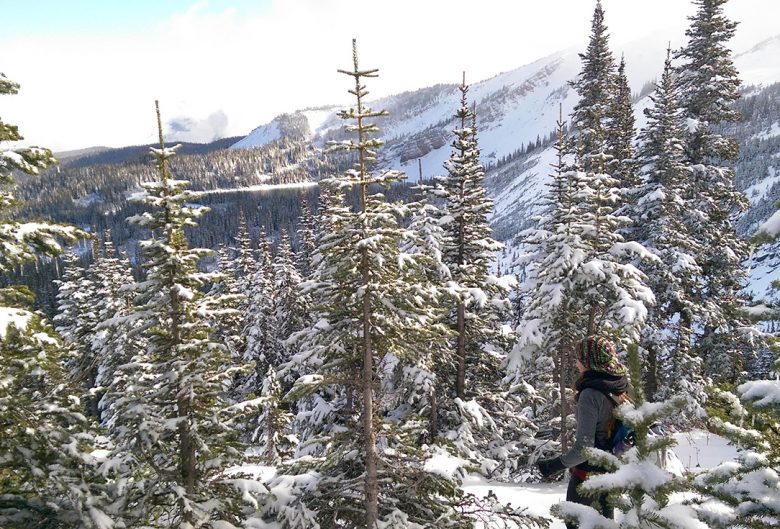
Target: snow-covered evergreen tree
(48, 475)
(174, 443)
(260, 324)
(227, 317)
(75, 320)
(244, 259)
(473, 410)
(620, 132)
(595, 86)
(116, 336)
(745, 492)
(424, 381)
(306, 240)
(22, 242)
(468, 252)
(46, 468)
(290, 304)
(549, 327)
(709, 86)
(658, 215)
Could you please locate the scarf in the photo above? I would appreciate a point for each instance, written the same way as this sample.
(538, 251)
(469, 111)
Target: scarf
(602, 382)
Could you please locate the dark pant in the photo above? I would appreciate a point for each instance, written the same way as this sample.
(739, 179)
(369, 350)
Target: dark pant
(574, 496)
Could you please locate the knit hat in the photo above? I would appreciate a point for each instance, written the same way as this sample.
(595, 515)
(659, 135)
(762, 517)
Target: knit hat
(599, 354)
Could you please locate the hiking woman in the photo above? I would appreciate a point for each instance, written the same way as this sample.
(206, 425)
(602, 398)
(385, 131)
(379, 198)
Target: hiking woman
(601, 385)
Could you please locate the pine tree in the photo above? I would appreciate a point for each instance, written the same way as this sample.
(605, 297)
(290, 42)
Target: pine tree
(658, 216)
(620, 134)
(245, 257)
(635, 484)
(709, 87)
(548, 327)
(474, 411)
(306, 242)
(260, 325)
(372, 313)
(425, 380)
(228, 300)
(47, 474)
(116, 336)
(594, 85)
(469, 250)
(744, 493)
(173, 444)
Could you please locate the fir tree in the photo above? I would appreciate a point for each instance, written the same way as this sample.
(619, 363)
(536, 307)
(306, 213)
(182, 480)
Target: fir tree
(473, 409)
(658, 216)
(260, 325)
(709, 87)
(620, 133)
(226, 315)
(744, 493)
(306, 239)
(594, 86)
(548, 327)
(172, 444)
(245, 257)
(116, 335)
(469, 250)
(46, 470)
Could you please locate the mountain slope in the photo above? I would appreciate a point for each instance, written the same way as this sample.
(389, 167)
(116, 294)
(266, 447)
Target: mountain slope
(521, 106)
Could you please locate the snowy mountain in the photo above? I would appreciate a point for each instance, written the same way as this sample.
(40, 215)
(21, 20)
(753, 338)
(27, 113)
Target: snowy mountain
(521, 106)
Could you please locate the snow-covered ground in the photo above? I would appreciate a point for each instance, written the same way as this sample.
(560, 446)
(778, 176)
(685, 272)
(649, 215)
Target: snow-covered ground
(697, 450)
(260, 187)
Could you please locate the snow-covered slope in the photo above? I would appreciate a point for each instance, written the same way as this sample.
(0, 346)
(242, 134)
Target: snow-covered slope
(521, 106)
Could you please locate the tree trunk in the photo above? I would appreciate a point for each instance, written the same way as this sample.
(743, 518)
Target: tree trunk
(562, 378)
(187, 459)
(460, 352)
(433, 425)
(369, 435)
(651, 376)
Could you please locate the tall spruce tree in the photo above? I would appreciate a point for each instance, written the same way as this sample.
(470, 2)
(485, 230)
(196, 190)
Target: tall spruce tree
(474, 410)
(116, 335)
(658, 215)
(174, 443)
(306, 229)
(620, 132)
(469, 250)
(548, 326)
(595, 86)
(260, 323)
(709, 87)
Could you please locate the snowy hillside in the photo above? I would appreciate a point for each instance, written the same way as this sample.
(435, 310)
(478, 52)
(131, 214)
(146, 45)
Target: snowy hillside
(521, 106)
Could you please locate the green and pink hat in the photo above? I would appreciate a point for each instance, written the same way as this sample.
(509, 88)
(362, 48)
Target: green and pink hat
(599, 354)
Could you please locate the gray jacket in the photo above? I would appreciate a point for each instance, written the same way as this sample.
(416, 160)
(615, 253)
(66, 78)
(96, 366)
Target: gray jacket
(594, 411)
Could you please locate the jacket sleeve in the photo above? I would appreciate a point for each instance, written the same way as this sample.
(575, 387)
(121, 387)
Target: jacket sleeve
(588, 412)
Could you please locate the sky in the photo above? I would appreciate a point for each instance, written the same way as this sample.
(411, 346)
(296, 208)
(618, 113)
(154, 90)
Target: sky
(90, 70)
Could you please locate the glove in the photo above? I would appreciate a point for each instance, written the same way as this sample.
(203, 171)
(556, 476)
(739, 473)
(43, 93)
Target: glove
(548, 467)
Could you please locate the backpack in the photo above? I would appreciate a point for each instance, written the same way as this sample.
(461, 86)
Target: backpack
(622, 438)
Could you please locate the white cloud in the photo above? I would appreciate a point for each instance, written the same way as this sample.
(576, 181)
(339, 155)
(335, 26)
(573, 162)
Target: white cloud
(83, 90)
(185, 128)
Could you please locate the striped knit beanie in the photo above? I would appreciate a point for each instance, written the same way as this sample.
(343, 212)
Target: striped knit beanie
(599, 354)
